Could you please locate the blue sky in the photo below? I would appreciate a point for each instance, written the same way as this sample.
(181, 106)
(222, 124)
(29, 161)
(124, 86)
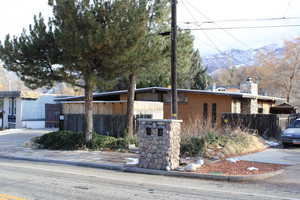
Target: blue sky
(18, 14)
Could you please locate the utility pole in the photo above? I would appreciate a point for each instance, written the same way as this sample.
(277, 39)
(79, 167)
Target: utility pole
(174, 106)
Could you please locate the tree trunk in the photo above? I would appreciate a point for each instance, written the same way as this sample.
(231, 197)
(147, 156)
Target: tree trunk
(130, 104)
(88, 118)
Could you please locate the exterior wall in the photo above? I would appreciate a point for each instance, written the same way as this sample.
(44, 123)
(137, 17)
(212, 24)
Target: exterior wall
(6, 111)
(236, 106)
(34, 110)
(192, 111)
(123, 97)
(19, 112)
(144, 97)
(33, 124)
(117, 108)
(156, 109)
(103, 108)
(148, 97)
(249, 106)
(265, 105)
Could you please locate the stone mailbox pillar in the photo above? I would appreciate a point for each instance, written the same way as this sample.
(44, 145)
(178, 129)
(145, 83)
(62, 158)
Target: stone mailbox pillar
(159, 143)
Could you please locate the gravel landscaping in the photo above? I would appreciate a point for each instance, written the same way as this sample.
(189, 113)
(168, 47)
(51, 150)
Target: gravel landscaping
(239, 168)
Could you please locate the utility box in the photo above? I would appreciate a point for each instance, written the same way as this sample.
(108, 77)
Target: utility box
(159, 143)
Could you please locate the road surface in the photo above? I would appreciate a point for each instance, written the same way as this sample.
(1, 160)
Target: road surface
(21, 180)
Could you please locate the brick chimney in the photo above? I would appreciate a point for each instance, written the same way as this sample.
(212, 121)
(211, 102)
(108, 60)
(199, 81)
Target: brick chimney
(249, 87)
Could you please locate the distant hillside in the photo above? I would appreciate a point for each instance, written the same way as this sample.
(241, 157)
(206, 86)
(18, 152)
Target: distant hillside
(10, 81)
(236, 57)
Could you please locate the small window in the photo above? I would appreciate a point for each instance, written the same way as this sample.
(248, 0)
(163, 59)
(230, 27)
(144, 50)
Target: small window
(205, 113)
(160, 132)
(149, 131)
(214, 115)
(260, 110)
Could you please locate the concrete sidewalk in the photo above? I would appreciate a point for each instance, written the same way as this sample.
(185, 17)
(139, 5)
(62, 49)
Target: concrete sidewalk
(13, 144)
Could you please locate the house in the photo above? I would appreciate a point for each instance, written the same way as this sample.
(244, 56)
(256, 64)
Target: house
(109, 116)
(23, 110)
(10, 106)
(198, 106)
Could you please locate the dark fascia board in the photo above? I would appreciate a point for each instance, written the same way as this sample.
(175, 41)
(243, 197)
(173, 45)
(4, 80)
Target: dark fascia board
(150, 89)
(10, 94)
(166, 90)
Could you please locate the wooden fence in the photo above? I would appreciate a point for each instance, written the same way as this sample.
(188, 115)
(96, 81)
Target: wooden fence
(267, 125)
(111, 125)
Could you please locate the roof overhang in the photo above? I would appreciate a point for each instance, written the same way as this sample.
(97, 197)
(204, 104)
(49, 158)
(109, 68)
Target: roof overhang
(166, 90)
(10, 94)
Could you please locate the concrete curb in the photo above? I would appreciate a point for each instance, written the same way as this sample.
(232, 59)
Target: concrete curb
(204, 176)
(73, 163)
(153, 171)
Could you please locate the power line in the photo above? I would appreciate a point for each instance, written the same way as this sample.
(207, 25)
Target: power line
(214, 46)
(205, 34)
(243, 27)
(287, 8)
(242, 20)
(220, 28)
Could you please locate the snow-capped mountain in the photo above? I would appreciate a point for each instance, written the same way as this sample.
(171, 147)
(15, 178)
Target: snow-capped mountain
(237, 57)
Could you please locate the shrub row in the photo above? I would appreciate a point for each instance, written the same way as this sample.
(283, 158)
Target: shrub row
(68, 140)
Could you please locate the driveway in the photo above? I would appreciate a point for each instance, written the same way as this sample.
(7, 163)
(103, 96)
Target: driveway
(290, 156)
(13, 143)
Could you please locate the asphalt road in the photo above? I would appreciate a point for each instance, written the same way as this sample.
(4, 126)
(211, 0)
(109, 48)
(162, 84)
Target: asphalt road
(37, 181)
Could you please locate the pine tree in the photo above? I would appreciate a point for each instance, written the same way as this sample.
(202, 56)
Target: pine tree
(198, 75)
(143, 43)
(79, 45)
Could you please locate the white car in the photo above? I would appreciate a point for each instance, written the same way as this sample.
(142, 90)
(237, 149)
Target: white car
(291, 135)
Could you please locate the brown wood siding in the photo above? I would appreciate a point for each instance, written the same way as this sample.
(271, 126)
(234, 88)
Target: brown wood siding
(154, 109)
(192, 111)
(98, 108)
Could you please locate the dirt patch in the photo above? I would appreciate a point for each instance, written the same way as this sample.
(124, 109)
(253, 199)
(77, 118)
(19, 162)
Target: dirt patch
(225, 167)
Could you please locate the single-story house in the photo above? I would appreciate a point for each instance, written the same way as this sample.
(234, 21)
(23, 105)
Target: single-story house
(198, 106)
(21, 110)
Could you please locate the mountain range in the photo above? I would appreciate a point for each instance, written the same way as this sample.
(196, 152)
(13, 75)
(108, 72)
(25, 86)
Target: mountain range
(237, 57)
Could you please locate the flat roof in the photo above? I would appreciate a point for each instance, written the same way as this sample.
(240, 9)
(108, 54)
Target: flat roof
(11, 94)
(163, 89)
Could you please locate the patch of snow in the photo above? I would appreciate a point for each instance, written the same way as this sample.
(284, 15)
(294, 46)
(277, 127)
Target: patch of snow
(271, 143)
(192, 167)
(252, 168)
(233, 160)
(132, 161)
(168, 168)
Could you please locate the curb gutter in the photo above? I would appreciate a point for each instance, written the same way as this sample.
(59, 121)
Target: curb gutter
(152, 171)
